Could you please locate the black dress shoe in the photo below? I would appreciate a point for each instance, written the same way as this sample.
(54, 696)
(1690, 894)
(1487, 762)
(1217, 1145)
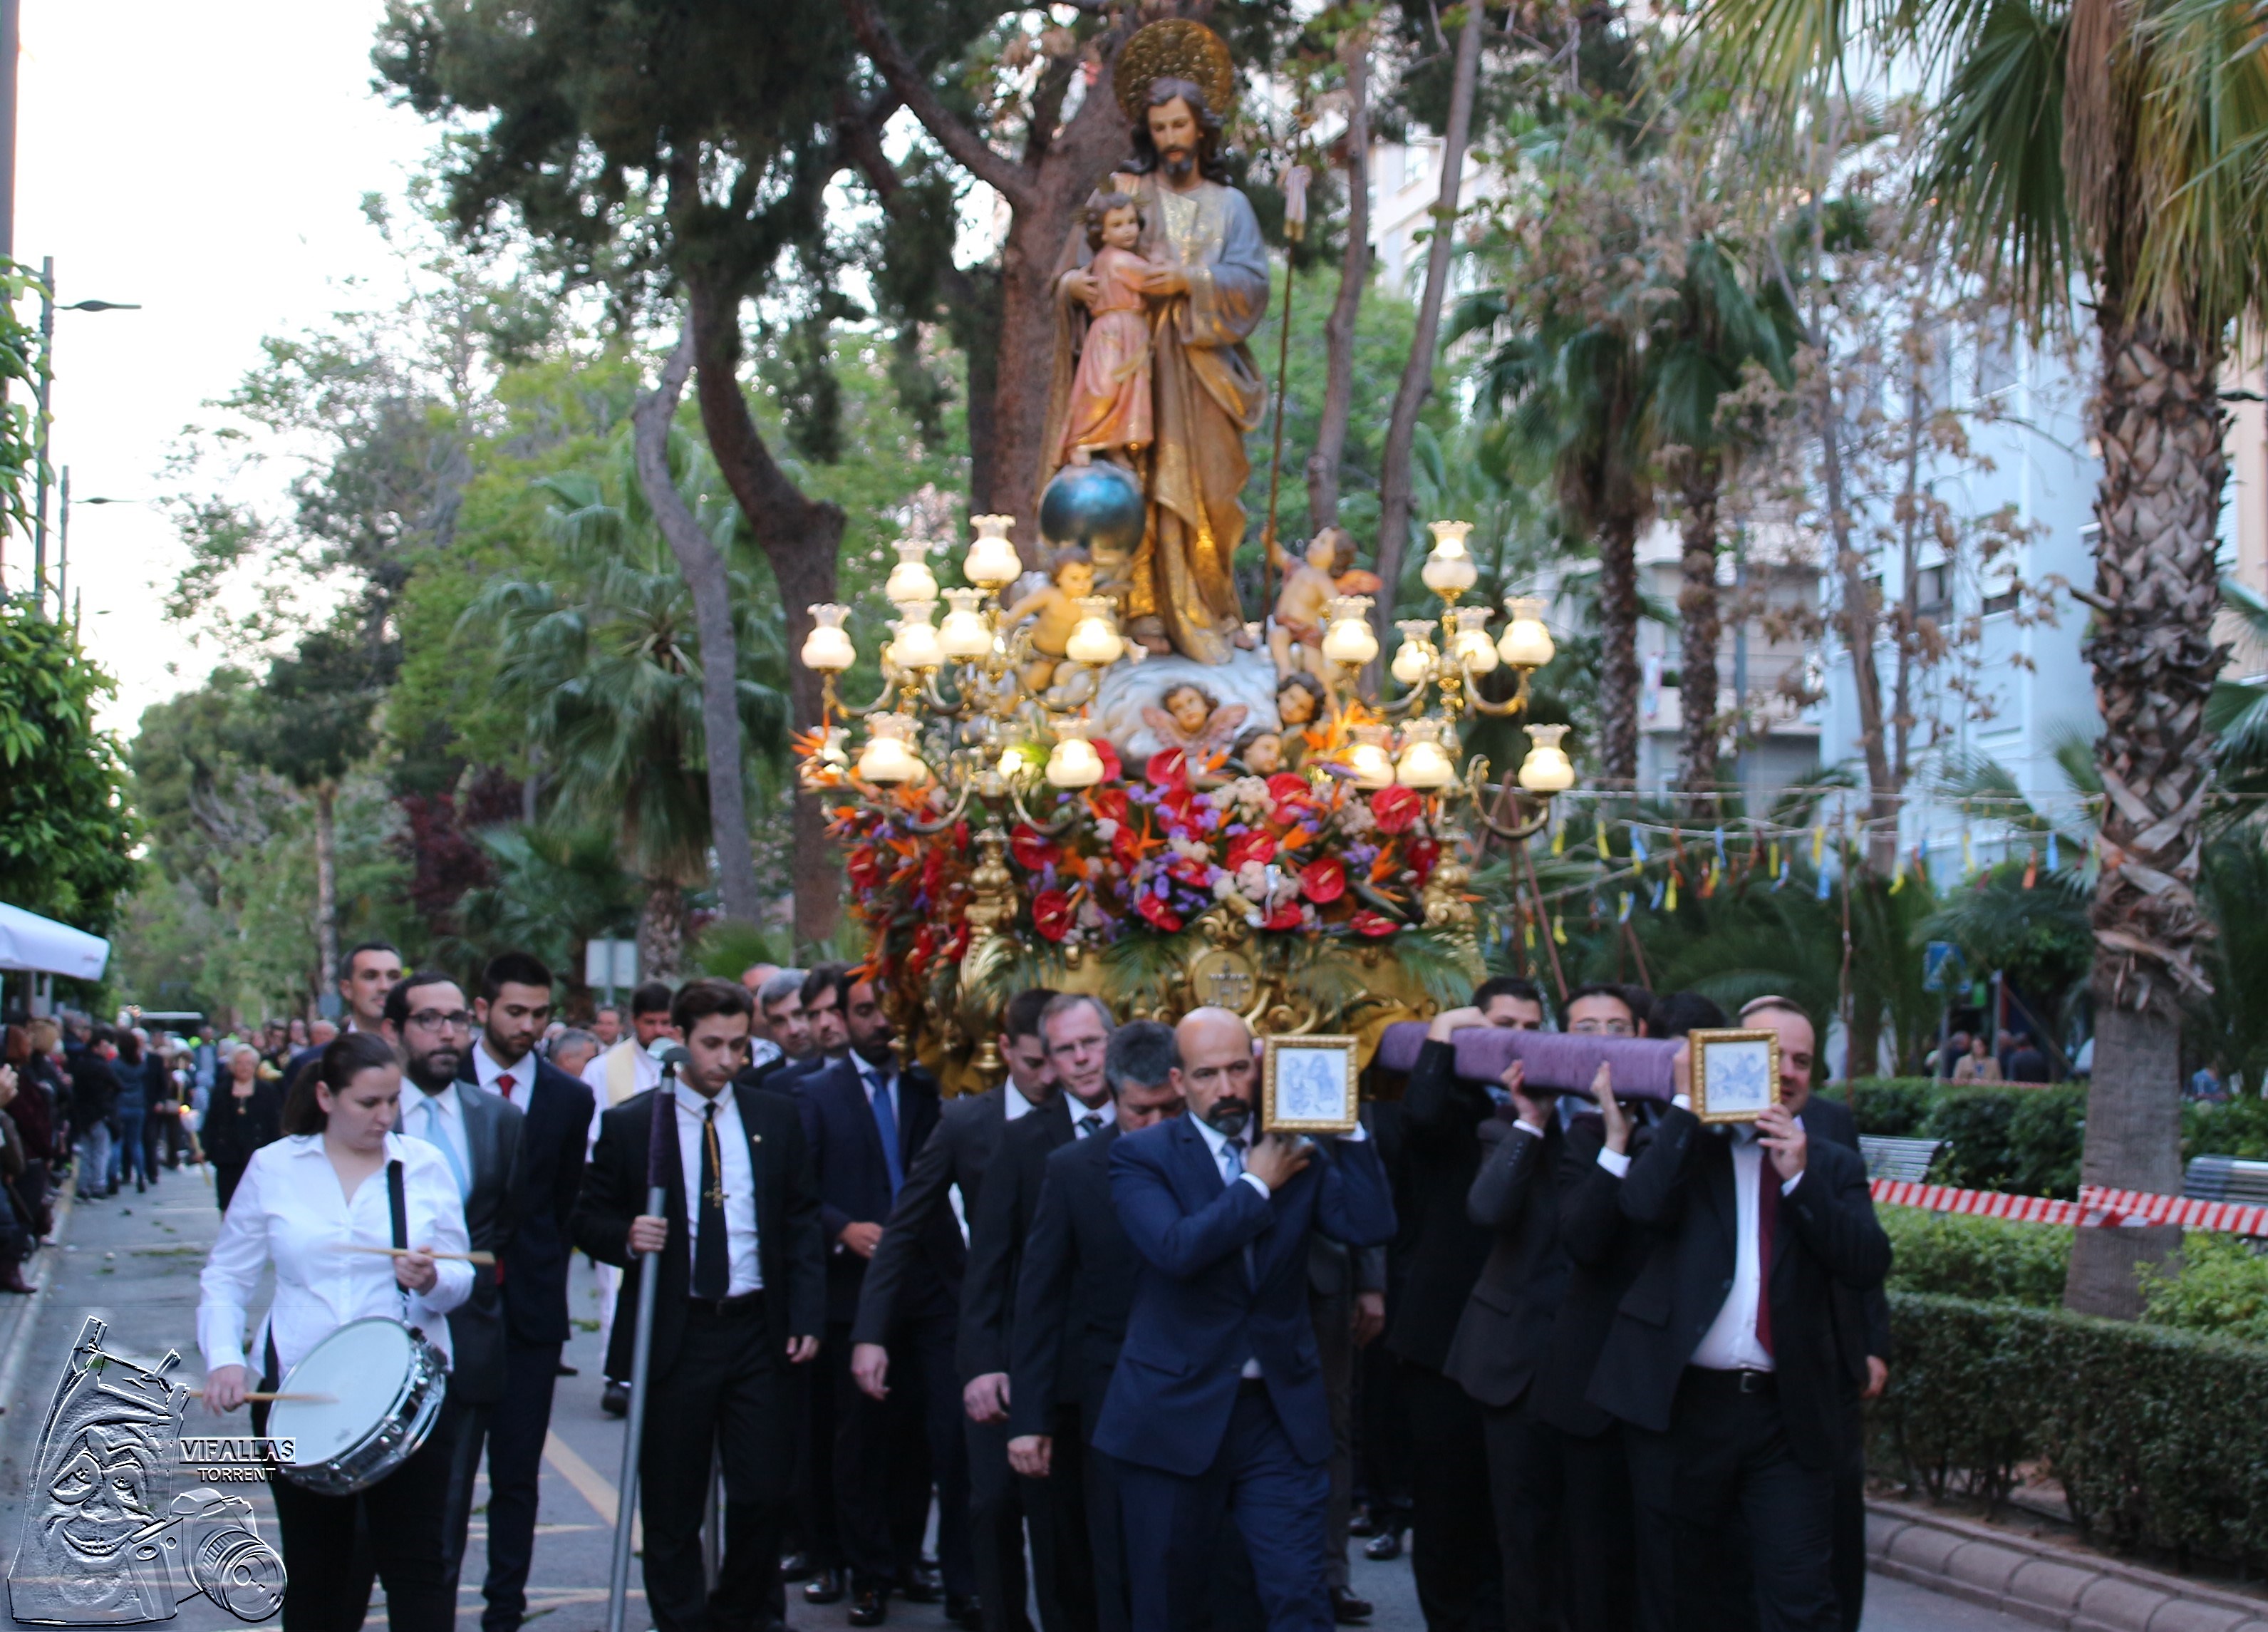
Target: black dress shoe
(1360, 1522)
(796, 1567)
(870, 1605)
(920, 1584)
(1347, 1609)
(825, 1587)
(965, 1611)
(567, 1370)
(1385, 1545)
(615, 1401)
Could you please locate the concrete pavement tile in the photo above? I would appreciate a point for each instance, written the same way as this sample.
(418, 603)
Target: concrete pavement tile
(1984, 1567)
(2189, 1614)
(2114, 1605)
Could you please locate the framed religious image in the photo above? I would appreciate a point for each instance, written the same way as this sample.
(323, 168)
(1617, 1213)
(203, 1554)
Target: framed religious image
(1735, 1073)
(1308, 1085)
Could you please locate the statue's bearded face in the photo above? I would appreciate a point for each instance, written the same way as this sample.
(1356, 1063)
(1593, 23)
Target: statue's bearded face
(1174, 133)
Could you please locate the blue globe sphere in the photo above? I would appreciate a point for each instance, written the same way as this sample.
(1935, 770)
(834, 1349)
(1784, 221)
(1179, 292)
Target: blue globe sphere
(1098, 507)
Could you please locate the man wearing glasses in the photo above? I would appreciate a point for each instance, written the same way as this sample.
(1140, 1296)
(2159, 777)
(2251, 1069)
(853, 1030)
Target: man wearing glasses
(1602, 1010)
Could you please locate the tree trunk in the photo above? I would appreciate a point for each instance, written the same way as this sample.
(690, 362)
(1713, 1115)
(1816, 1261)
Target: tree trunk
(327, 883)
(1697, 615)
(1354, 274)
(799, 539)
(2159, 419)
(661, 930)
(1394, 485)
(1618, 612)
(703, 566)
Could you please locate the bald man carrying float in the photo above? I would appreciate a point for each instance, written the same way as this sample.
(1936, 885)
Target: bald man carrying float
(1217, 1406)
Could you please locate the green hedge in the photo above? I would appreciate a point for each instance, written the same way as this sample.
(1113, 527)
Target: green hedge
(1979, 1258)
(1998, 1136)
(2238, 1127)
(2159, 1437)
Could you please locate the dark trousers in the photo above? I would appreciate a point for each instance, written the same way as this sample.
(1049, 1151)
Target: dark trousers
(727, 1391)
(1452, 1546)
(996, 1532)
(1114, 1591)
(888, 1451)
(1063, 1549)
(1382, 1439)
(1595, 1524)
(1526, 1488)
(399, 1528)
(511, 1431)
(1750, 1528)
(1174, 1525)
(1333, 1314)
(1849, 1519)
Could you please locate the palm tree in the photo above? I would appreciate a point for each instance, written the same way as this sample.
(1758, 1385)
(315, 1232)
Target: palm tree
(600, 647)
(2126, 145)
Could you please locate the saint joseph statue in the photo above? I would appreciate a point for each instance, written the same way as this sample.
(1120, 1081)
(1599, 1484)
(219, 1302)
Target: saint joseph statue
(1206, 293)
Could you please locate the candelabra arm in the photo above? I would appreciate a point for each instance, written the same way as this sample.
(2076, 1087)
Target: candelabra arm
(1410, 702)
(945, 821)
(1061, 823)
(880, 703)
(954, 710)
(1515, 703)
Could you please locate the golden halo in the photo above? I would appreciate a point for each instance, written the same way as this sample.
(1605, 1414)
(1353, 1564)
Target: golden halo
(1175, 48)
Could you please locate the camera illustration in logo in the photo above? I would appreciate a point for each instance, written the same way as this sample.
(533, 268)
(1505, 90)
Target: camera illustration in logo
(108, 1539)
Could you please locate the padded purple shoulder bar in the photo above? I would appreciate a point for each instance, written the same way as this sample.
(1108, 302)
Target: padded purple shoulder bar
(1557, 1063)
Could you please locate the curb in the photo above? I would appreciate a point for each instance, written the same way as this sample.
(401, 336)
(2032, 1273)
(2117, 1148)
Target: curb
(2043, 1582)
(27, 1317)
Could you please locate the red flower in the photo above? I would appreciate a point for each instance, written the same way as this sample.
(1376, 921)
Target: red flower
(1421, 854)
(1254, 846)
(1159, 915)
(1168, 767)
(1323, 880)
(1190, 871)
(1286, 917)
(1032, 850)
(924, 948)
(1286, 786)
(1373, 923)
(1051, 914)
(1113, 768)
(1108, 804)
(1396, 808)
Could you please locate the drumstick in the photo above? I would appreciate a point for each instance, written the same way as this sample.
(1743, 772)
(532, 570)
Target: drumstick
(310, 1399)
(482, 1257)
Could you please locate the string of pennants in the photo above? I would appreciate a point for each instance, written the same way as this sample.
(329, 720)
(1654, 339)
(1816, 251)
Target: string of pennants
(2096, 1207)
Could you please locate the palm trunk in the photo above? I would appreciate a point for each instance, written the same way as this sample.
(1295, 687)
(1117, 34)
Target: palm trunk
(1354, 273)
(1702, 626)
(661, 930)
(1618, 612)
(327, 883)
(1394, 485)
(703, 566)
(2159, 419)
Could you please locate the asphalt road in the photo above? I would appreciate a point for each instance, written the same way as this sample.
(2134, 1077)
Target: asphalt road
(135, 1260)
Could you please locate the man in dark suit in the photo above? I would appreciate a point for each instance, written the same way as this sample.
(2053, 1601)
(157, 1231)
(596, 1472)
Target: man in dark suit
(779, 1008)
(1723, 1359)
(479, 1135)
(866, 1119)
(1217, 1404)
(1454, 1556)
(1862, 1318)
(1074, 1285)
(960, 1156)
(742, 1300)
(512, 1009)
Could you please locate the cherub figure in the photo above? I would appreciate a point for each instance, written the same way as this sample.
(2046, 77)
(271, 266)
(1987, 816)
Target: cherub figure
(1111, 411)
(1295, 632)
(1190, 719)
(1299, 702)
(1260, 753)
(1056, 605)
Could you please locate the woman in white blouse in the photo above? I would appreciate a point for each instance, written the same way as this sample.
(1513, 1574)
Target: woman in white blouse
(318, 1189)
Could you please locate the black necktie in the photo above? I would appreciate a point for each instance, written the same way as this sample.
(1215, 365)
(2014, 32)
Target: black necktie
(1090, 1125)
(712, 1261)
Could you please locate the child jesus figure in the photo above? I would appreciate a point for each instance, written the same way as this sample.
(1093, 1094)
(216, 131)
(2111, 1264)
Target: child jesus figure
(1110, 395)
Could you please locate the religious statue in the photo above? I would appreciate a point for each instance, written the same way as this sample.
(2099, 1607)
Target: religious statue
(1196, 261)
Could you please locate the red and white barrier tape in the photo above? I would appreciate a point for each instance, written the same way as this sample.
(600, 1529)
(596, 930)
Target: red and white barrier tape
(2096, 1207)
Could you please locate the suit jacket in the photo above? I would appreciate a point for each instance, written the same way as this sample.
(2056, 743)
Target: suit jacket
(1862, 1319)
(1605, 1252)
(544, 1185)
(1073, 1289)
(1441, 1120)
(1199, 1313)
(845, 1147)
(998, 1227)
(1683, 1186)
(494, 1130)
(1506, 1332)
(787, 1221)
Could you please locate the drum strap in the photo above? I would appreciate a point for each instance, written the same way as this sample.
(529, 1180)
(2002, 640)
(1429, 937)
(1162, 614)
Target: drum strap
(398, 1202)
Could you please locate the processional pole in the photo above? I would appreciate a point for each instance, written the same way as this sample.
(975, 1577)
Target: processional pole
(1295, 228)
(657, 1200)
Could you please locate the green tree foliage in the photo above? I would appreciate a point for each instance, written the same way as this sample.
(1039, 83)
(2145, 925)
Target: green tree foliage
(66, 836)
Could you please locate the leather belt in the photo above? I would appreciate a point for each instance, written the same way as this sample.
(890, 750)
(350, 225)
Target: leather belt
(746, 1304)
(1741, 1382)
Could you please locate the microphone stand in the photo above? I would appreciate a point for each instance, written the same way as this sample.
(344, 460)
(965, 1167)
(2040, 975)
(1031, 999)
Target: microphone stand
(657, 1200)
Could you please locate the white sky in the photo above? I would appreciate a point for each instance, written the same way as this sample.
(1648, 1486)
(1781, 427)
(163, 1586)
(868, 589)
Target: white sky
(208, 162)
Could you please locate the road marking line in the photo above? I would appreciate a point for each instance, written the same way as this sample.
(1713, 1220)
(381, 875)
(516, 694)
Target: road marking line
(590, 1485)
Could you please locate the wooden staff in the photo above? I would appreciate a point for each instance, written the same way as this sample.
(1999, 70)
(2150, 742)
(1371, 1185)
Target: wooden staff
(1295, 228)
(483, 1256)
(250, 1394)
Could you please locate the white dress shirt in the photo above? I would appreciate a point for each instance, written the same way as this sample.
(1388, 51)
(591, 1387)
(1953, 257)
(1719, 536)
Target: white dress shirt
(1730, 1343)
(637, 1071)
(1014, 1106)
(288, 1211)
(521, 1071)
(422, 1114)
(762, 1051)
(1230, 1164)
(734, 1172)
(1107, 1112)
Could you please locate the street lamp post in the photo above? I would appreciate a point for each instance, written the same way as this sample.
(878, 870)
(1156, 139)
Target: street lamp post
(47, 310)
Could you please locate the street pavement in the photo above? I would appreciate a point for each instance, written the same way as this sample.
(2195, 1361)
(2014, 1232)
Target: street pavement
(134, 1259)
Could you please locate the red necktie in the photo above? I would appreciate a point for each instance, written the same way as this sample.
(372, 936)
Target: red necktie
(504, 1085)
(1767, 1221)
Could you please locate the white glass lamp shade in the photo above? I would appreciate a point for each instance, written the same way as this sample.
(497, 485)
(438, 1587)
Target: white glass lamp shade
(831, 749)
(1072, 762)
(910, 580)
(1413, 659)
(1449, 570)
(1372, 764)
(1095, 639)
(1472, 646)
(1525, 643)
(965, 635)
(1348, 638)
(1546, 769)
(992, 559)
(917, 645)
(827, 647)
(1425, 763)
(888, 755)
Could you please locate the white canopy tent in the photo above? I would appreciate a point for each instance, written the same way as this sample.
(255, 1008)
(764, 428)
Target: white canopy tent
(42, 946)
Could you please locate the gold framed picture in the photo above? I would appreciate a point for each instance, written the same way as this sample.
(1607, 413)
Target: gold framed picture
(1308, 1085)
(1735, 1073)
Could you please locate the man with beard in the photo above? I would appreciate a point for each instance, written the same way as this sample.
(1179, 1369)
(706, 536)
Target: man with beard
(478, 1134)
(1217, 1406)
(825, 1005)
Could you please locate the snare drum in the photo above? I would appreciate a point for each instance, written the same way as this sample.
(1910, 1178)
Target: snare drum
(386, 1384)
